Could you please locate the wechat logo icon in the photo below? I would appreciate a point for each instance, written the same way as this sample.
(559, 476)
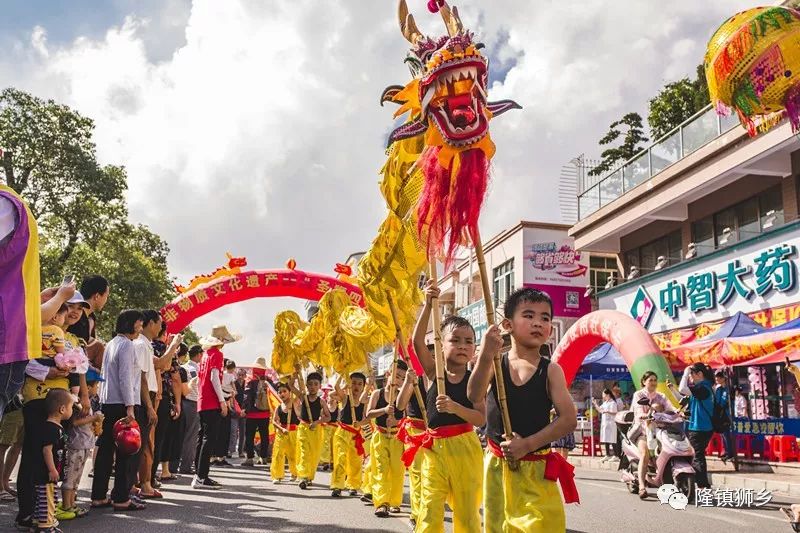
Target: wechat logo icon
(670, 495)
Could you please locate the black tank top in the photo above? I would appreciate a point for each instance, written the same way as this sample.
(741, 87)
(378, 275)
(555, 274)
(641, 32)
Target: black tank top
(346, 415)
(528, 405)
(413, 409)
(457, 392)
(381, 420)
(284, 416)
(316, 410)
(335, 415)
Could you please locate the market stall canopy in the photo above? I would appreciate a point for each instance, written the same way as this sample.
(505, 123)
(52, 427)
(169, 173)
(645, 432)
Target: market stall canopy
(604, 362)
(739, 325)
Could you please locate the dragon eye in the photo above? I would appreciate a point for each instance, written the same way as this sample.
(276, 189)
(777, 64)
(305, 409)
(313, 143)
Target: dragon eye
(479, 46)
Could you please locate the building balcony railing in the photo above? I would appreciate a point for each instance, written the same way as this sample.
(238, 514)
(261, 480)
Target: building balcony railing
(694, 133)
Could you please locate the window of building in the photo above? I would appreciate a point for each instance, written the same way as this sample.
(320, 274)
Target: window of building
(600, 270)
(646, 257)
(741, 221)
(503, 283)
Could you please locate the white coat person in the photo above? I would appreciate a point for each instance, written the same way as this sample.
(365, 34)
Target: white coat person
(608, 429)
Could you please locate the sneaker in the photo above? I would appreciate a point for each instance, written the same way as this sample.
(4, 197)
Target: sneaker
(241, 455)
(80, 512)
(259, 461)
(25, 525)
(247, 462)
(276, 481)
(223, 462)
(336, 493)
(303, 484)
(64, 514)
(366, 498)
(207, 483)
(382, 511)
(353, 492)
(394, 510)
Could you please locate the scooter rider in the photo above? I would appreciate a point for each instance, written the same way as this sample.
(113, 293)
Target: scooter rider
(641, 412)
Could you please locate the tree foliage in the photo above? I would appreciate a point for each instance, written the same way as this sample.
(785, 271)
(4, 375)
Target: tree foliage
(676, 103)
(631, 132)
(49, 158)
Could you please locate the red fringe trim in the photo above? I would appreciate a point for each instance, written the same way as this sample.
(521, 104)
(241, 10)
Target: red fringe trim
(448, 208)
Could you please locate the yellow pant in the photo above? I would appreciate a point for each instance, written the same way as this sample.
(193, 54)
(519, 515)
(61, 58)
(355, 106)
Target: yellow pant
(415, 478)
(326, 456)
(522, 501)
(284, 449)
(388, 471)
(346, 461)
(451, 473)
(309, 447)
(368, 467)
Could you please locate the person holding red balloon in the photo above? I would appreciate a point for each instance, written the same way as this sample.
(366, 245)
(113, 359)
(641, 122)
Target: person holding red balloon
(121, 399)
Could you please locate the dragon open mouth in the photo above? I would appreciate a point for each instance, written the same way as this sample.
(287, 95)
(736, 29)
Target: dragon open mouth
(454, 95)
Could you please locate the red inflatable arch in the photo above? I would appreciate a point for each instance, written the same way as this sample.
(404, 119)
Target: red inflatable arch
(222, 291)
(631, 340)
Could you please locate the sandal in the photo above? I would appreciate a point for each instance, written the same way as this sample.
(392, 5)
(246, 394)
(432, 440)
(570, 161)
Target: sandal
(6, 496)
(154, 496)
(171, 477)
(80, 512)
(132, 506)
(103, 505)
(642, 494)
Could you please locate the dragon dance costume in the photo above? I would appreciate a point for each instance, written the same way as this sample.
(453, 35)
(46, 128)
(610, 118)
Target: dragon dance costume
(284, 448)
(388, 471)
(348, 450)
(309, 441)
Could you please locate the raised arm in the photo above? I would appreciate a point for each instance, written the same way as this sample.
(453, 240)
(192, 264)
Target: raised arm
(406, 390)
(482, 374)
(421, 328)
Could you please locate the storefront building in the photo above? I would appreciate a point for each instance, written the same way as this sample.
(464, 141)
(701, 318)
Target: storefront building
(704, 225)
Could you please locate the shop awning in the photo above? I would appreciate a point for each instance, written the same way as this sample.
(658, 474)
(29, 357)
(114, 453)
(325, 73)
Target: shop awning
(769, 346)
(739, 325)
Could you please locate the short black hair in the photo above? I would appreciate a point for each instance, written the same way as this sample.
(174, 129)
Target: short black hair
(358, 375)
(183, 349)
(230, 364)
(705, 369)
(150, 315)
(455, 322)
(609, 393)
(283, 385)
(195, 350)
(55, 399)
(525, 295)
(401, 365)
(126, 321)
(314, 376)
(92, 285)
(647, 375)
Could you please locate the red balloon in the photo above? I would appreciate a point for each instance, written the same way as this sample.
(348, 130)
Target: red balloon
(129, 440)
(122, 424)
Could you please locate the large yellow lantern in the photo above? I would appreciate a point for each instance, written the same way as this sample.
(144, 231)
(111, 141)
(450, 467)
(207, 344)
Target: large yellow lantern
(753, 66)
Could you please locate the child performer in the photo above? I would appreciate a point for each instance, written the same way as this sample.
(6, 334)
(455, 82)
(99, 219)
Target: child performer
(450, 447)
(388, 472)
(411, 426)
(348, 442)
(310, 433)
(285, 445)
(528, 499)
(326, 457)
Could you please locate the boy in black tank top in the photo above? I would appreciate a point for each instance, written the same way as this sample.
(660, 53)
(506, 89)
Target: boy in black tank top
(450, 449)
(348, 442)
(533, 385)
(283, 449)
(411, 427)
(386, 458)
(330, 427)
(309, 432)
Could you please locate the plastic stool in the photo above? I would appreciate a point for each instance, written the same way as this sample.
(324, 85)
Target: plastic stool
(587, 446)
(784, 448)
(744, 445)
(715, 445)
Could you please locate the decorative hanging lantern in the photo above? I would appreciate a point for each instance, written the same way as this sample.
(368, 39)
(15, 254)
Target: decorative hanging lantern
(752, 65)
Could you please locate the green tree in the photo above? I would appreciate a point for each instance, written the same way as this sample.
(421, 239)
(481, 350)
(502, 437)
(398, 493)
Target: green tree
(631, 130)
(676, 103)
(49, 158)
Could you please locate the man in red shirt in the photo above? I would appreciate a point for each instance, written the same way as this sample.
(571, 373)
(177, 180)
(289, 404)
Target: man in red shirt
(211, 403)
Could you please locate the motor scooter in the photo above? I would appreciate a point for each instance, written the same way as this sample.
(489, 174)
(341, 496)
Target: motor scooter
(672, 460)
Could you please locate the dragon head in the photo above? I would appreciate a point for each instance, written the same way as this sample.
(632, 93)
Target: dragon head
(449, 86)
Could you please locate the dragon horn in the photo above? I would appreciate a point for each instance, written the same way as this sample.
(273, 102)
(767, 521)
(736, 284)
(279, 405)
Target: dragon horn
(407, 25)
(451, 19)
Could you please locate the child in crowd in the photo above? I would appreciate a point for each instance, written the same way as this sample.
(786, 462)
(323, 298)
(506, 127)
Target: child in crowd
(53, 339)
(451, 448)
(285, 446)
(51, 441)
(528, 499)
(80, 445)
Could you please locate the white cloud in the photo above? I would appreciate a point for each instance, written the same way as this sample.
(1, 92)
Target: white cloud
(256, 129)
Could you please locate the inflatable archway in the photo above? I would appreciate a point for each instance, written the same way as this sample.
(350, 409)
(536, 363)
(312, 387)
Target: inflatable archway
(224, 290)
(631, 340)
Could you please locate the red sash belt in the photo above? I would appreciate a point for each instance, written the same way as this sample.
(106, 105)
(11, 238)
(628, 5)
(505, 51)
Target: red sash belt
(556, 468)
(292, 427)
(387, 431)
(357, 437)
(402, 428)
(425, 440)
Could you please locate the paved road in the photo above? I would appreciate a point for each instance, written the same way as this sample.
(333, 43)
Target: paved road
(251, 504)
